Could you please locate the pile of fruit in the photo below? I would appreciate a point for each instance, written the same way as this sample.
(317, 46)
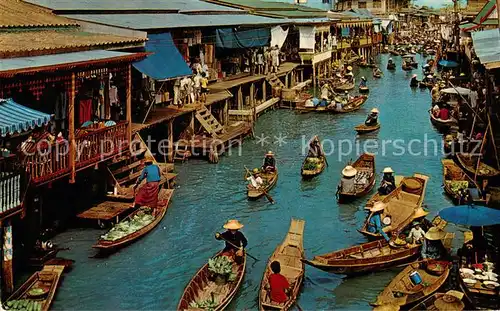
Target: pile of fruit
(457, 185)
(24, 304)
(222, 266)
(208, 304)
(312, 164)
(128, 226)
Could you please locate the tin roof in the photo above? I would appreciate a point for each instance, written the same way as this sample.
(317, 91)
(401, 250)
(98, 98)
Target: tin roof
(487, 47)
(18, 14)
(31, 43)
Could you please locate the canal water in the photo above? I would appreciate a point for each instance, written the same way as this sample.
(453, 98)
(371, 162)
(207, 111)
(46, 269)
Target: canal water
(151, 273)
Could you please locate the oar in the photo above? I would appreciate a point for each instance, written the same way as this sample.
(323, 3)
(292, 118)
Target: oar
(222, 238)
(409, 263)
(269, 198)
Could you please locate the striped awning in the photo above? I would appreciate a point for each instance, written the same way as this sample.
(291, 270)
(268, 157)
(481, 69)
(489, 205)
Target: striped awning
(16, 118)
(488, 11)
(354, 23)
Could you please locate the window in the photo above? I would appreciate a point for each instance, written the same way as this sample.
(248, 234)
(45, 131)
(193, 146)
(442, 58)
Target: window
(326, 1)
(349, 4)
(300, 1)
(377, 4)
(361, 5)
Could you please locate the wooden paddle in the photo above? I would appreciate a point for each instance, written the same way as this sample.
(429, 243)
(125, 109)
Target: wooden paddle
(409, 263)
(269, 198)
(222, 238)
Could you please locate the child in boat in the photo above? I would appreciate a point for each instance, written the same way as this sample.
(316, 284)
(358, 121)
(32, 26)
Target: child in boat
(278, 284)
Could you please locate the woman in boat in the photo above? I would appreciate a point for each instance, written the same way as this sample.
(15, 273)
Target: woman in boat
(315, 150)
(372, 118)
(269, 162)
(390, 64)
(433, 247)
(375, 223)
(444, 113)
(414, 81)
(363, 82)
(347, 183)
(148, 193)
(388, 183)
(255, 180)
(235, 240)
(377, 72)
(325, 94)
(278, 284)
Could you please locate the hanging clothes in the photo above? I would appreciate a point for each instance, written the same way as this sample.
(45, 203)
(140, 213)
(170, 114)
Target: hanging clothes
(113, 96)
(85, 111)
(278, 36)
(307, 37)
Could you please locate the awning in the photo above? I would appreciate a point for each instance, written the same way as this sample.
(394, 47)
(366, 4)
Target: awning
(166, 62)
(16, 118)
(487, 47)
(230, 38)
(488, 11)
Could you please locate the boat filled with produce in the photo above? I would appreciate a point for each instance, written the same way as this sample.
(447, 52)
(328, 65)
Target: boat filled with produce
(139, 220)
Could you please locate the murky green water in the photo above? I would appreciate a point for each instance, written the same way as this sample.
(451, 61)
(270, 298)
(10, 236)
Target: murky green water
(152, 273)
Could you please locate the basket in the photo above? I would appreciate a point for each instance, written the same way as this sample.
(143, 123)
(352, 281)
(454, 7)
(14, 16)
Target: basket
(412, 185)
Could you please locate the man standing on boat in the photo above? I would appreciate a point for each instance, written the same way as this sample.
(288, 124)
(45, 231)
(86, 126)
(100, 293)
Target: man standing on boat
(375, 222)
(269, 162)
(372, 118)
(388, 183)
(235, 240)
(148, 193)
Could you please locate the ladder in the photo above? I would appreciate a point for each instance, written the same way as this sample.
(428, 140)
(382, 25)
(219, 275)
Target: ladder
(208, 122)
(275, 81)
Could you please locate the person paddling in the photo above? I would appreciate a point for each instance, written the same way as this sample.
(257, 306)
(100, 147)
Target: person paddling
(235, 240)
(148, 193)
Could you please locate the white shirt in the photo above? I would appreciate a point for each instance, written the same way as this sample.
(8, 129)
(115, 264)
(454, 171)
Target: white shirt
(197, 80)
(256, 182)
(416, 234)
(473, 99)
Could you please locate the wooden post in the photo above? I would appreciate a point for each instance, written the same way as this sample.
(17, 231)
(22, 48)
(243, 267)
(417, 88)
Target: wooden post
(8, 253)
(493, 141)
(481, 152)
(171, 141)
(286, 80)
(71, 129)
(314, 79)
(191, 123)
(292, 78)
(226, 112)
(252, 91)
(240, 99)
(129, 103)
(498, 11)
(301, 75)
(264, 90)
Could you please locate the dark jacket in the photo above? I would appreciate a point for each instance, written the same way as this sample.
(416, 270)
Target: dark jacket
(237, 239)
(269, 161)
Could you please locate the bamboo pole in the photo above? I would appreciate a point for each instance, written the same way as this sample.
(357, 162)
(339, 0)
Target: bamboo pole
(71, 129)
(480, 153)
(129, 103)
(493, 141)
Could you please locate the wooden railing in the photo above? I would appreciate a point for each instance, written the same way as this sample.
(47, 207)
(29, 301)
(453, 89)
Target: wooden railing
(94, 146)
(13, 183)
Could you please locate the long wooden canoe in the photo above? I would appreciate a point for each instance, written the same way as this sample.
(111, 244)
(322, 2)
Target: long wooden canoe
(452, 173)
(164, 197)
(402, 292)
(47, 280)
(353, 105)
(364, 89)
(363, 129)
(429, 303)
(308, 173)
(391, 66)
(403, 206)
(442, 125)
(270, 179)
(469, 163)
(364, 258)
(290, 254)
(364, 179)
(345, 87)
(202, 287)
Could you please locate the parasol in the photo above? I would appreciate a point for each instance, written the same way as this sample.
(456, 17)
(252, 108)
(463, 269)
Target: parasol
(471, 215)
(448, 63)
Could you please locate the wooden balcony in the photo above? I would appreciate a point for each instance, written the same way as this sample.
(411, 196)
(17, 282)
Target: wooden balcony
(92, 146)
(315, 57)
(13, 183)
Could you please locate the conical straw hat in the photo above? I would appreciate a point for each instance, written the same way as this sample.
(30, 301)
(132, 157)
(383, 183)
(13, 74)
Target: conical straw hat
(450, 302)
(349, 171)
(378, 206)
(233, 224)
(435, 234)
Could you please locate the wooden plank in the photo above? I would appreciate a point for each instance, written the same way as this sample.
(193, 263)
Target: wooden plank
(106, 210)
(127, 167)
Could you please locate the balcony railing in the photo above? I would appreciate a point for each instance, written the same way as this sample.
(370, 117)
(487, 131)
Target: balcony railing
(13, 183)
(92, 146)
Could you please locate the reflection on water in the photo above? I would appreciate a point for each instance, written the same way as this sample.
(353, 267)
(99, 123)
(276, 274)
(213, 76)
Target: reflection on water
(152, 273)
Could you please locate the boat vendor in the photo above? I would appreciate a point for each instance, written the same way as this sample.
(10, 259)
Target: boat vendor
(388, 183)
(372, 118)
(255, 180)
(433, 247)
(435, 111)
(414, 81)
(375, 223)
(325, 94)
(377, 71)
(147, 195)
(315, 149)
(235, 239)
(444, 113)
(278, 284)
(363, 82)
(417, 234)
(269, 162)
(347, 183)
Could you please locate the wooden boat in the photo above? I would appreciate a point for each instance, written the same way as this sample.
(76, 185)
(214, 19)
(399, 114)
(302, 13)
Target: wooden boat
(364, 89)
(377, 75)
(308, 173)
(353, 105)
(404, 205)
(364, 179)
(442, 125)
(364, 258)
(401, 291)
(202, 287)
(164, 197)
(379, 197)
(363, 129)
(469, 163)
(424, 85)
(47, 280)
(452, 173)
(406, 67)
(391, 66)
(395, 53)
(367, 65)
(429, 304)
(290, 254)
(270, 179)
(345, 87)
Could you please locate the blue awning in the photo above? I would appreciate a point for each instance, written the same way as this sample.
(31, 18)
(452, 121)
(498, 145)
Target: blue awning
(230, 38)
(166, 62)
(16, 118)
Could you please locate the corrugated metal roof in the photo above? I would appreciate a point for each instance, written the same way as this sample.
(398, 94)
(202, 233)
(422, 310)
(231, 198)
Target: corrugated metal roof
(265, 5)
(487, 47)
(113, 5)
(169, 21)
(16, 118)
(27, 43)
(292, 14)
(23, 63)
(17, 14)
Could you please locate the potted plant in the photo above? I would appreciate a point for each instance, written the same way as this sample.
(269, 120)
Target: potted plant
(221, 269)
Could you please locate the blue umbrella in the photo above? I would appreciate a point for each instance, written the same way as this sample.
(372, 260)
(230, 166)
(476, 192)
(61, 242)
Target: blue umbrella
(448, 63)
(471, 215)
